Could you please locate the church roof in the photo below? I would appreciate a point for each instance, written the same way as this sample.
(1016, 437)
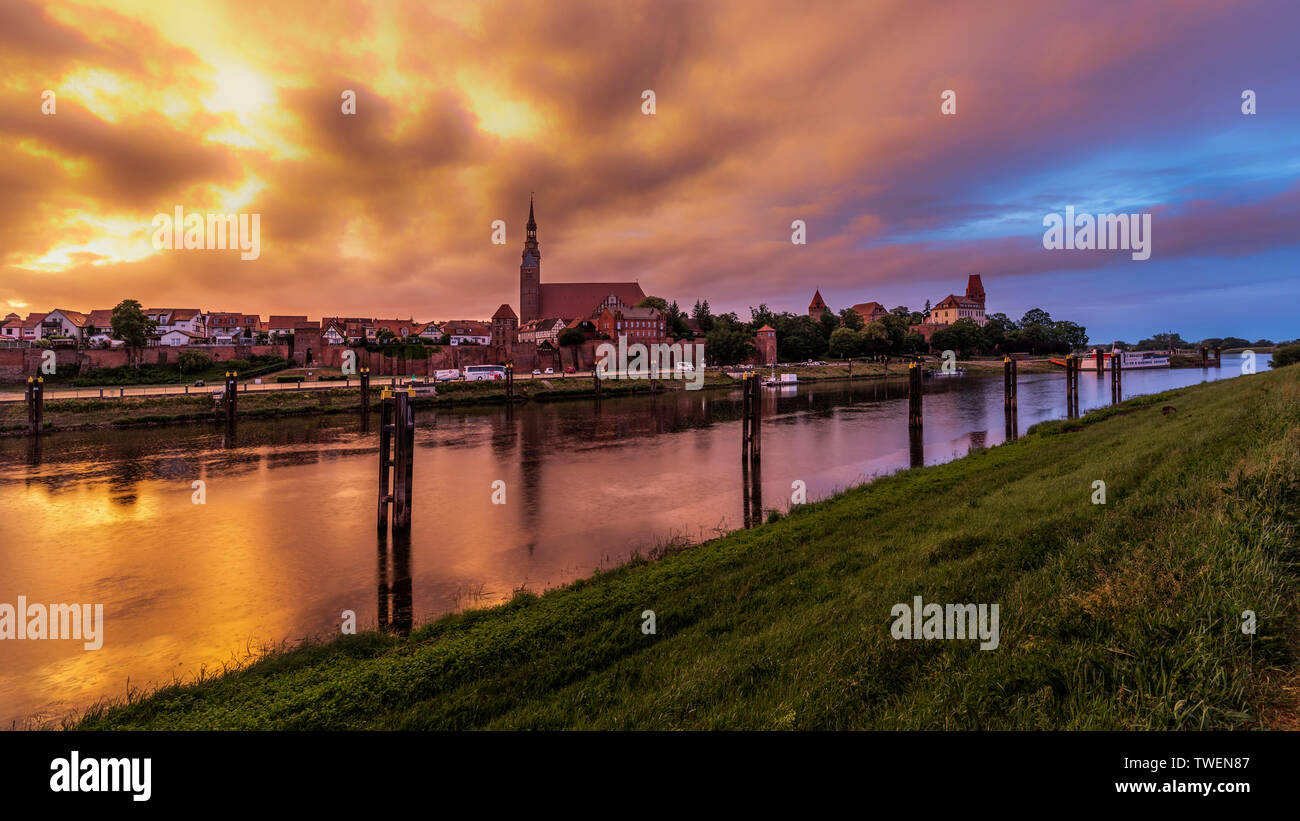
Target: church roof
(572, 300)
(869, 308)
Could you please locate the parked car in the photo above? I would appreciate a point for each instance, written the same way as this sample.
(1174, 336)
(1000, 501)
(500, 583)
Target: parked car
(536, 372)
(570, 369)
(199, 383)
(550, 370)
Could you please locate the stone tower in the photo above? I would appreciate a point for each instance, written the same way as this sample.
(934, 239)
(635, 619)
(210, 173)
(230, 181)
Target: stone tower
(530, 273)
(817, 307)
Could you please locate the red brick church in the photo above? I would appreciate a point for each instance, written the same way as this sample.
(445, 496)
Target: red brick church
(565, 300)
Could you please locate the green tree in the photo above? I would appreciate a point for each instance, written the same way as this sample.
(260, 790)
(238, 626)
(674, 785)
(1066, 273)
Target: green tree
(997, 332)
(193, 361)
(850, 318)
(1070, 334)
(845, 342)
(760, 316)
(657, 302)
(1285, 355)
(130, 325)
(963, 336)
(729, 343)
(1036, 316)
(829, 323)
(700, 313)
(875, 339)
(799, 338)
(675, 322)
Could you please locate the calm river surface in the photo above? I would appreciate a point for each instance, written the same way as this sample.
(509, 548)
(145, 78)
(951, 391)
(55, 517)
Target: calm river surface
(286, 539)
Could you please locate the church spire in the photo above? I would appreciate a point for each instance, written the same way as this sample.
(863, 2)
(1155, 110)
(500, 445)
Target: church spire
(532, 223)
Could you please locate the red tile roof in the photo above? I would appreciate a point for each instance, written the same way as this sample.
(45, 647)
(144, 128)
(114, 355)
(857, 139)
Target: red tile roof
(571, 300)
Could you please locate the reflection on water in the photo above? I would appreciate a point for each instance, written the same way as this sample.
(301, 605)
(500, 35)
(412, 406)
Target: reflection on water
(284, 543)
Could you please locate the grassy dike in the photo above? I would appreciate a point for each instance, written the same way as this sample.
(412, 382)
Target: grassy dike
(1122, 615)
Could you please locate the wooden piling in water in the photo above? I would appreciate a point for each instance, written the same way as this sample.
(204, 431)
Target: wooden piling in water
(1008, 388)
(755, 425)
(1218, 356)
(231, 396)
(396, 458)
(36, 405)
(403, 462)
(386, 405)
(365, 391)
(915, 411)
(1205, 359)
(751, 428)
(1100, 364)
(1116, 385)
(745, 399)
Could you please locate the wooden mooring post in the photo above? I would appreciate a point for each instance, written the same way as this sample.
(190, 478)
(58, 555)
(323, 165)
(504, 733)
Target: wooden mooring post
(1010, 382)
(510, 382)
(231, 396)
(396, 462)
(1100, 363)
(36, 405)
(1071, 386)
(915, 411)
(396, 458)
(1218, 356)
(1116, 379)
(751, 414)
(1205, 357)
(365, 391)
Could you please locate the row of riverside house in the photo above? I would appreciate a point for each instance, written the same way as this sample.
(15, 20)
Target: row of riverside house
(180, 327)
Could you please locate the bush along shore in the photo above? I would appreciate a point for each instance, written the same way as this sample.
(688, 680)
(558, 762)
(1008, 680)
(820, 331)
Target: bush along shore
(132, 411)
(1172, 605)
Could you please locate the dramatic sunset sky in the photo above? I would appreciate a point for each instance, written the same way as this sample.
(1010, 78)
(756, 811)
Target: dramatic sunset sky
(766, 113)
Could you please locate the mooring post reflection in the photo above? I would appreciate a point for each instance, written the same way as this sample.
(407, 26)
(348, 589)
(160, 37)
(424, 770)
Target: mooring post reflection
(916, 446)
(395, 606)
(751, 482)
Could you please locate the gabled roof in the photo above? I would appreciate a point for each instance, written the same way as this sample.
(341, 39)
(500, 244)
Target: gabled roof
(278, 321)
(765, 328)
(33, 320)
(870, 308)
(817, 301)
(100, 317)
(954, 301)
(505, 312)
(75, 317)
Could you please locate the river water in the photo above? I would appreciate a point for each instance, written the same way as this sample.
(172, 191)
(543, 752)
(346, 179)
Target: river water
(285, 540)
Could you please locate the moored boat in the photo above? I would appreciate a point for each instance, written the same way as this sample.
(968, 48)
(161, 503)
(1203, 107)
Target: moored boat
(1128, 360)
